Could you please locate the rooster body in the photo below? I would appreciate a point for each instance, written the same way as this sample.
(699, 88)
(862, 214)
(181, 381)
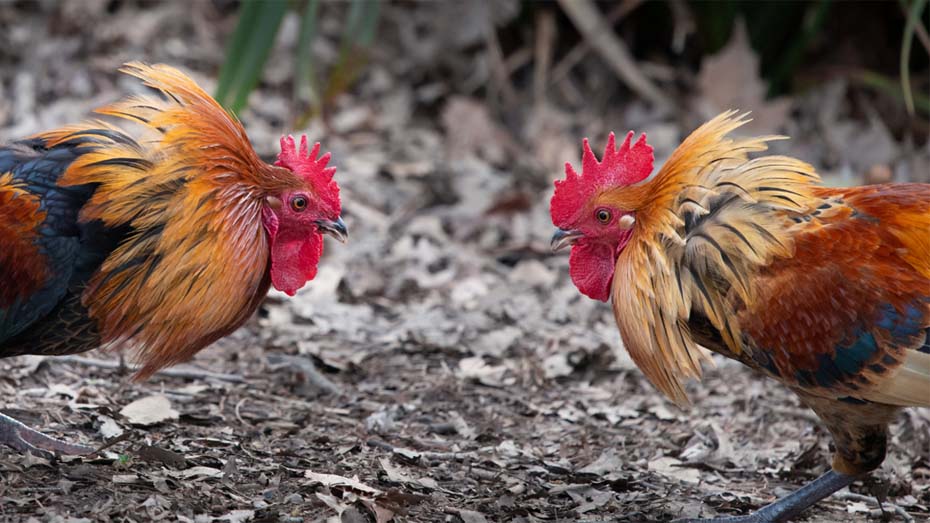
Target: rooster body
(826, 290)
(161, 241)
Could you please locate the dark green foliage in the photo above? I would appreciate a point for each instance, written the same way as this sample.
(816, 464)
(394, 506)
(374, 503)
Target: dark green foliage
(248, 49)
(779, 31)
(254, 37)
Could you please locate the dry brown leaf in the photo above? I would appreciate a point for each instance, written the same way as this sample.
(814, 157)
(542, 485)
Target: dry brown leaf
(333, 480)
(475, 368)
(472, 131)
(470, 516)
(730, 80)
(395, 473)
(149, 411)
(670, 467)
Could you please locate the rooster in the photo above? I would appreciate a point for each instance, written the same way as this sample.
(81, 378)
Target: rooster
(161, 241)
(825, 290)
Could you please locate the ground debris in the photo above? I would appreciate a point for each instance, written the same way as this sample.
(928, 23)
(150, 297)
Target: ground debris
(441, 366)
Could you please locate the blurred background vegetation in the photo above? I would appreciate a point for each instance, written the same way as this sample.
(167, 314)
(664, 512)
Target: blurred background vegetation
(798, 43)
(848, 81)
(254, 38)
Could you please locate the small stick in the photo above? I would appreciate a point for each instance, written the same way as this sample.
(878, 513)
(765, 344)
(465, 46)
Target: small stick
(428, 454)
(852, 496)
(122, 437)
(499, 66)
(306, 367)
(186, 372)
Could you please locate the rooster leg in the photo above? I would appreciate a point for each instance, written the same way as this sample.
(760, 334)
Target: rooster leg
(789, 506)
(24, 439)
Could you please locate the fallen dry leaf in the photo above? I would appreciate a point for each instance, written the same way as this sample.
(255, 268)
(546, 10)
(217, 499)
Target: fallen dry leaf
(470, 516)
(730, 80)
(333, 480)
(671, 467)
(475, 368)
(149, 411)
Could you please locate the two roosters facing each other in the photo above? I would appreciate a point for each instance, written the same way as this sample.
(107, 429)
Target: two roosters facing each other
(161, 241)
(826, 290)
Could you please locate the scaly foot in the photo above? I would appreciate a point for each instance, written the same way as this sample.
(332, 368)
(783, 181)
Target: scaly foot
(750, 518)
(786, 508)
(25, 439)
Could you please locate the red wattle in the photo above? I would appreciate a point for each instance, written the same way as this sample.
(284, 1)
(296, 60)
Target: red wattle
(294, 263)
(591, 266)
(294, 255)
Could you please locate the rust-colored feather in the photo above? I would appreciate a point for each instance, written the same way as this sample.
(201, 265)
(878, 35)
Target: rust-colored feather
(191, 190)
(24, 266)
(855, 275)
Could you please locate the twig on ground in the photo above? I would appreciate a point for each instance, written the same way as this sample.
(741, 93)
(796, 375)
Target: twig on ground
(590, 23)
(305, 366)
(852, 496)
(122, 437)
(427, 454)
(684, 23)
(184, 371)
(238, 411)
(517, 59)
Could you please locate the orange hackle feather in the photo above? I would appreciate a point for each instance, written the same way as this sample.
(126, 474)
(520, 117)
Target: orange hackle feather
(786, 270)
(664, 272)
(192, 191)
(825, 290)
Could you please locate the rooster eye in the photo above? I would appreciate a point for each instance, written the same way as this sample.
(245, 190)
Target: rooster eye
(602, 215)
(299, 203)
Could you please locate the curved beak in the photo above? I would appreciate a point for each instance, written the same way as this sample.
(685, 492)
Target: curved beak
(337, 229)
(562, 239)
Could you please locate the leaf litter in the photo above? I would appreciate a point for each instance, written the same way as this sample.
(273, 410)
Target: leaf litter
(441, 367)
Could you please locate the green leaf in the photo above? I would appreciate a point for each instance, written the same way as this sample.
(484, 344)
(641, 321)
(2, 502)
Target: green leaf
(814, 18)
(305, 86)
(361, 24)
(357, 35)
(890, 87)
(248, 50)
(913, 18)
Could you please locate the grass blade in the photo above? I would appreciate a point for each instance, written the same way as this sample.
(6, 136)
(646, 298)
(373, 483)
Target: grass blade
(305, 87)
(913, 18)
(235, 48)
(252, 42)
(358, 34)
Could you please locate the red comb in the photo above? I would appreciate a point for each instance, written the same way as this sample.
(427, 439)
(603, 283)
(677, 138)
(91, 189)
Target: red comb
(305, 164)
(624, 166)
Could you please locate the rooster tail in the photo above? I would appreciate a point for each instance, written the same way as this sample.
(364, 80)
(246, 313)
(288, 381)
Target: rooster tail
(910, 386)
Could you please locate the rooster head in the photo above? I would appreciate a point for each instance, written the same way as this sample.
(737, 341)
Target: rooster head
(296, 218)
(594, 228)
